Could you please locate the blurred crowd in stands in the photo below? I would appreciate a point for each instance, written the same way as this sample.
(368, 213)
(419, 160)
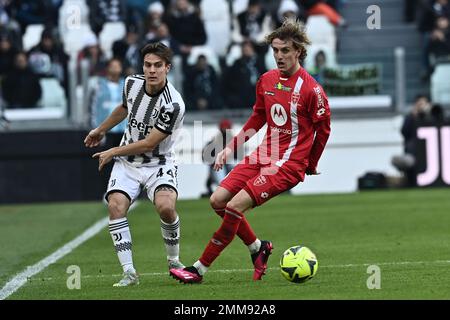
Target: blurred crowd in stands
(432, 18)
(177, 23)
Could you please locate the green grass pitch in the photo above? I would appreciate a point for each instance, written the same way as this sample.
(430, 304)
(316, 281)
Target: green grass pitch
(405, 233)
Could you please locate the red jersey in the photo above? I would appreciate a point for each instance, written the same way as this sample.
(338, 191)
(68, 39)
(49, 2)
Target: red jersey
(297, 114)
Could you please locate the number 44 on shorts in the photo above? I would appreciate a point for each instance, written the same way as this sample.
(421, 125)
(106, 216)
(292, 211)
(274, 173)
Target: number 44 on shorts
(169, 172)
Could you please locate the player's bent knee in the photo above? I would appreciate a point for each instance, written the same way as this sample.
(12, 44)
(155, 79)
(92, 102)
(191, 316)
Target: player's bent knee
(165, 209)
(217, 202)
(167, 212)
(117, 208)
(241, 202)
(238, 205)
(234, 205)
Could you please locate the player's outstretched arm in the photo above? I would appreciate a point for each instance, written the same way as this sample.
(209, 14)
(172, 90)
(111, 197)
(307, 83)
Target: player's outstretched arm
(255, 122)
(96, 135)
(142, 146)
(221, 158)
(93, 138)
(250, 128)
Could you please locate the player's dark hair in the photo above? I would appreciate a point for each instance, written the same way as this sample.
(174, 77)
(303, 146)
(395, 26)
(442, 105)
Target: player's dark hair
(291, 30)
(159, 49)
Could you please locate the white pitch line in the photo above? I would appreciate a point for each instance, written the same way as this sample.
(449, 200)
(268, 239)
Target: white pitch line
(154, 274)
(387, 264)
(20, 279)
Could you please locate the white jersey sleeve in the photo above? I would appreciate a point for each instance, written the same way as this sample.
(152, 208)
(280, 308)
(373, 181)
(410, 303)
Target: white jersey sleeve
(169, 117)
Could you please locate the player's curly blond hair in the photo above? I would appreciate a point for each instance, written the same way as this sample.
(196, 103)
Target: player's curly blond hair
(291, 30)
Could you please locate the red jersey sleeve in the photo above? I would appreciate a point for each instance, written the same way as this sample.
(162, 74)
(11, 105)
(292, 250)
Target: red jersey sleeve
(318, 104)
(320, 115)
(254, 123)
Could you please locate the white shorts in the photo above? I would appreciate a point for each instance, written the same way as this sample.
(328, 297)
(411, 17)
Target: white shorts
(130, 180)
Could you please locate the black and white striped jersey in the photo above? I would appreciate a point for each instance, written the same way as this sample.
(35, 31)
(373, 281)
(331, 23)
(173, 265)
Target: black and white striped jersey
(163, 110)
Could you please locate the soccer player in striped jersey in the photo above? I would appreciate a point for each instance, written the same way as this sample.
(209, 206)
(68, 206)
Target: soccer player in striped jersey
(145, 158)
(295, 109)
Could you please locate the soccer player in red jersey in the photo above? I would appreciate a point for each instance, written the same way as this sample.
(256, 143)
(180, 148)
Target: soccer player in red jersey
(295, 109)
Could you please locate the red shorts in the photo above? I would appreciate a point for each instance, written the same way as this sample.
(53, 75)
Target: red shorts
(262, 182)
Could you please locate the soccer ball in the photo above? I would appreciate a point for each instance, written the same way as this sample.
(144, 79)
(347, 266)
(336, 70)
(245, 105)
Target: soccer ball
(298, 264)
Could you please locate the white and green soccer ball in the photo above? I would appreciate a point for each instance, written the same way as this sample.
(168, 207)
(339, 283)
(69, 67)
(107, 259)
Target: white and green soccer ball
(298, 264)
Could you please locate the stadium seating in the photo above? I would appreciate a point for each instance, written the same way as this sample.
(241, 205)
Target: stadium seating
(330, 55)
(209, 53)
(234, 53)
(53, 95)
(73, 25)
(216, 18)
(269, 60)
(74, 39)
(53, 104)
(323, 38)
(440, 86)
(239, 6)
(72, 15)
(111, 32)
(321, 31)
(32, 36)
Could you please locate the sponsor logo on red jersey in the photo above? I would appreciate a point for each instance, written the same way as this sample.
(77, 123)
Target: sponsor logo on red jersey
(281, 87)
(295, 97)
(320, 102)
(318, 92)
(280, 130)
(279, 115)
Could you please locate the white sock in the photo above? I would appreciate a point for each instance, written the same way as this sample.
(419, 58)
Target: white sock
(200, 268)
(171, 237)
(121, 236)
(255, 246)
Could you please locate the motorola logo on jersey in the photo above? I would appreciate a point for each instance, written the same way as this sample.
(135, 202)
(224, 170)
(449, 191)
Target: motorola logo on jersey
(280, 130)
(279, 115)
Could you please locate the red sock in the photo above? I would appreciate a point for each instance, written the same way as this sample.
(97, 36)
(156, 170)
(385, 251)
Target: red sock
(222, 237)
(245, 231)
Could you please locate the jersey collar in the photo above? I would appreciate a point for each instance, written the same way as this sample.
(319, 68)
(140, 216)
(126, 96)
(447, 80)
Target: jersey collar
(284, 78)
(156, 94)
